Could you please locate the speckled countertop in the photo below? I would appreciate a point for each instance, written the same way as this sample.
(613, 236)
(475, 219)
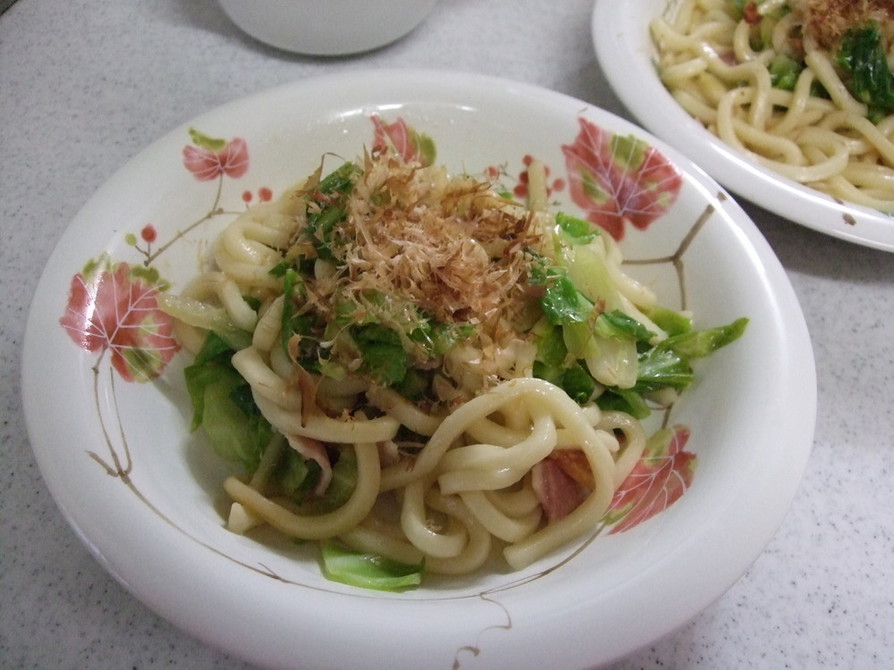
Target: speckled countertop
(86, 84)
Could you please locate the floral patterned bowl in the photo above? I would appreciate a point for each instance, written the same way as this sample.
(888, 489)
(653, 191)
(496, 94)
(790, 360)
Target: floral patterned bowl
(108, 415)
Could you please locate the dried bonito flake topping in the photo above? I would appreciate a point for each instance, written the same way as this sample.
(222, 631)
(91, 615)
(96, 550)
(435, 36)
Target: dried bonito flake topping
(826, 21)
(450, 246)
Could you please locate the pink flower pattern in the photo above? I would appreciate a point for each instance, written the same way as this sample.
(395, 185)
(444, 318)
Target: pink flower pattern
(114, 309)
(617, 180)
(662, 475)
(403, 139)
(207, 164)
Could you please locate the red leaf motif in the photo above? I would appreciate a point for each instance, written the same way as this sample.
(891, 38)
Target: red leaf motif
(206, 164)
(112, 309)
(658, 480)
(396, 135)
(403, 140)
(617, 179)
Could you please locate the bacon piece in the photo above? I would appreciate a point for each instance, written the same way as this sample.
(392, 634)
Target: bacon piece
(559, 494)
(575, 464)
(751, 14)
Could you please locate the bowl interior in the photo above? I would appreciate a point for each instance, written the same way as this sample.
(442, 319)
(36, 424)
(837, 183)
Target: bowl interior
(144, 493)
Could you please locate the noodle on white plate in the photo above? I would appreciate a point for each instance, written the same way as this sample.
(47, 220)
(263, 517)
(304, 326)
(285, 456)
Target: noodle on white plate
(722, 64)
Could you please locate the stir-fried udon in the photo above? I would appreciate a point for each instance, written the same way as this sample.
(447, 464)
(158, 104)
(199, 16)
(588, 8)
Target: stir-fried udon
(411, 366)
(806, 87)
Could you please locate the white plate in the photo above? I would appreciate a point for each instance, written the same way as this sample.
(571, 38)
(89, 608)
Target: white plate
(625, 51)
(159, 531)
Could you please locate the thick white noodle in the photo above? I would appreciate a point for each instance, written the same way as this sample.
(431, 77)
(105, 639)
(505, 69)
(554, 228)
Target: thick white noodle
(812, 140)
(469, 488)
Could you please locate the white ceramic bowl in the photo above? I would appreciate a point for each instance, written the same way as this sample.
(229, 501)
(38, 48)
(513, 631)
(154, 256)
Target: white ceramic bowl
(327, 27)
(155, 523)
(625, 50)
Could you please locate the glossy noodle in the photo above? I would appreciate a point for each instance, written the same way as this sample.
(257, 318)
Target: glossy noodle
(760, 78)
(450, 472)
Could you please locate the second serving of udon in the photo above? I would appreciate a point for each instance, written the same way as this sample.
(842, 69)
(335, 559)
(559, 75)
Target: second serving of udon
(805, 87)
(422, 374)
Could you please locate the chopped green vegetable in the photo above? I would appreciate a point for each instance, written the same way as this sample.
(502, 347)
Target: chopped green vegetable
(224, 407)
(662, 368)
(586, 331)
(784, 72)
(414, 385)
(369, 571)
(621, 400)
(701, 343)
(668, 364)
(671, 322)
(587, 269)
(439, 338)
(294, 323)
(333, 192)
(577, 382)
(295, 476)
(343, 483)
(618, 324)
(236, 428)
(612, 360)
(576, 231)
(341, 180)
(384, 357)
(862, 56)
(551, 349)
(562, 303)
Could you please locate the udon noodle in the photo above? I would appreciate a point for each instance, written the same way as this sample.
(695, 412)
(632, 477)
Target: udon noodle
(765, 78)
(456, 474)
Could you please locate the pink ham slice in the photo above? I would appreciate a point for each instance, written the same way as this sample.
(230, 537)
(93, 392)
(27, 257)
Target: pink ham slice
(558, 492)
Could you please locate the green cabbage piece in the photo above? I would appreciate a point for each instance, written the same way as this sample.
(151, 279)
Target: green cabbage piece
(366, 570)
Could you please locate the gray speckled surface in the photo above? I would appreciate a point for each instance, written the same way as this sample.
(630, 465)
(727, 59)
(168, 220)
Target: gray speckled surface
(85, 85)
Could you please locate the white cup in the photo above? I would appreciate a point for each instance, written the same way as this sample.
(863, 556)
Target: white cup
(327, 27)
